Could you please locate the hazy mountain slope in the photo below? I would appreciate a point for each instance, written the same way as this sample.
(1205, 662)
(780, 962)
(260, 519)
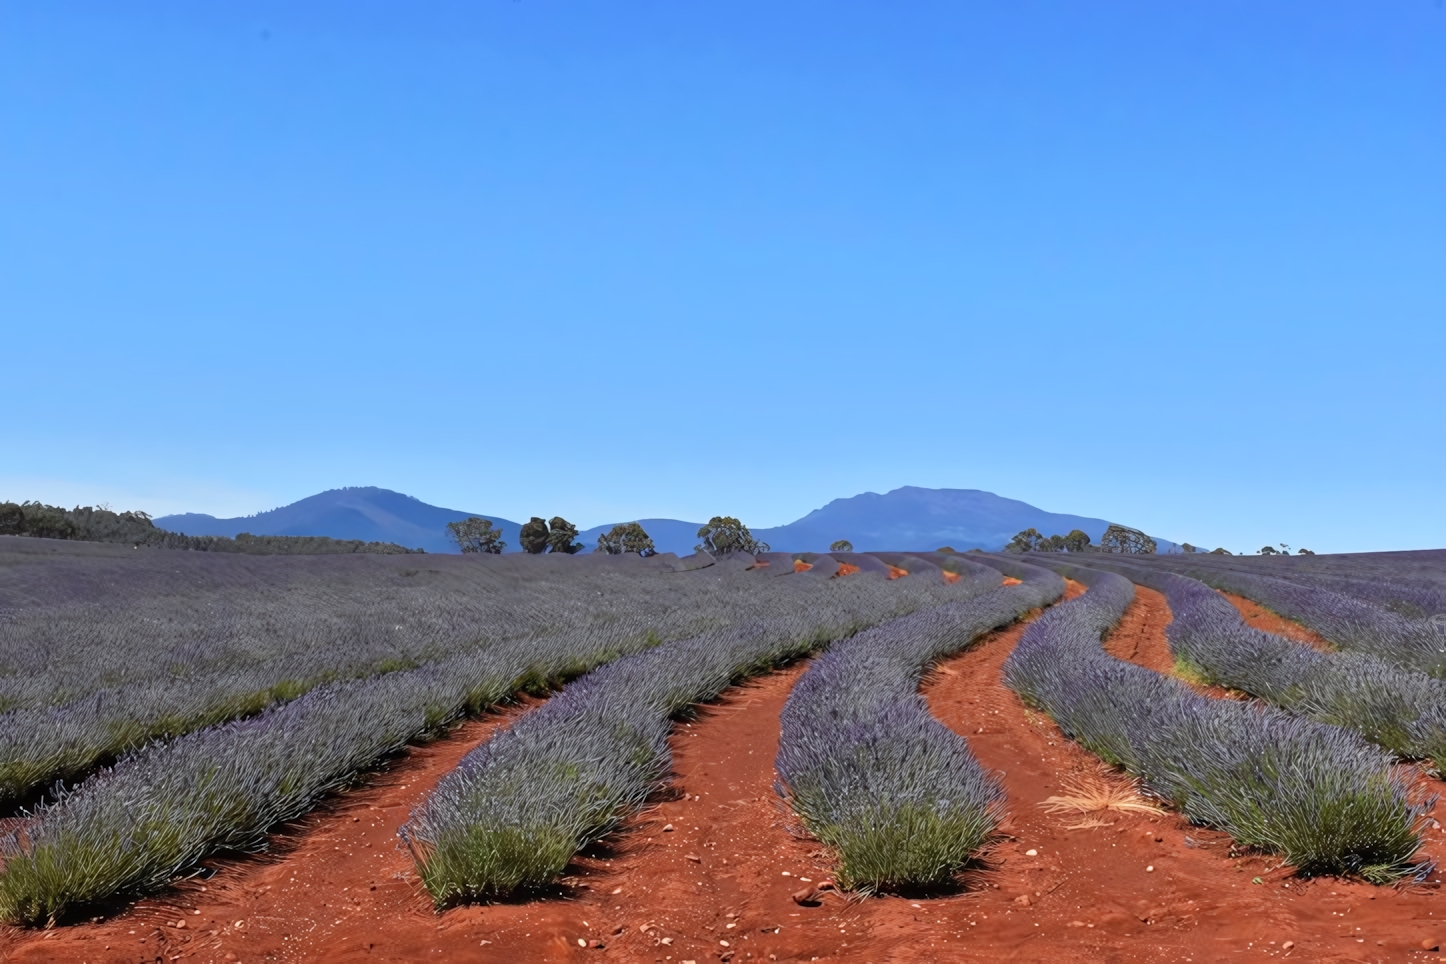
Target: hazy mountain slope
(915, 519)
(367, 513)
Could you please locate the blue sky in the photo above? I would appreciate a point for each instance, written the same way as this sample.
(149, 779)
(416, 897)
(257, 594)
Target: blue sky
(1179, 265)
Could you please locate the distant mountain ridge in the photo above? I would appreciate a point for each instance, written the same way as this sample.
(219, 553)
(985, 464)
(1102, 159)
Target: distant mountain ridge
(364, 512)
(907, 519)
(912, 519)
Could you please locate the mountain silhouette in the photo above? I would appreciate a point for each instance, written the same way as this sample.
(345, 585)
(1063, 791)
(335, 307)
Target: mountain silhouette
(907, 519)
(364, 512)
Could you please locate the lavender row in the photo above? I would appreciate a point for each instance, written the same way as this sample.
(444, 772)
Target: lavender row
(516, 810)
(473, 604)
(870, 771)
(132, 828)
(1349, 622)
(1403, 711)
(1321, 796)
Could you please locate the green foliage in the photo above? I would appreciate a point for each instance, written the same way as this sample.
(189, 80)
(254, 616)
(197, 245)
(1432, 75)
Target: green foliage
(1268, 551)
(561, 536)
(1118, 538)
(906, 843)
(626, 537)
(841, 545)
(533, 536)
(1217, 551)
(724, 534)
(1026, 541)
(475, 534)
(1030, 540)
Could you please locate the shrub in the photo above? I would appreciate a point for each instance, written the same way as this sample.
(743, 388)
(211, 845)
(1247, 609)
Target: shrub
(475, 534)
(724, 534)
(532, 537)
(626, 537)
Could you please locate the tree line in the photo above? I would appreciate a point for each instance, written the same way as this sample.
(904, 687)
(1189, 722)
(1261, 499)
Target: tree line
(102, 524)
(721, 536)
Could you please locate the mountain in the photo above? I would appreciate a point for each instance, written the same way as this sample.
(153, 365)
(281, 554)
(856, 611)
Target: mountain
(368, 513)
(914, 519)
(909, 519)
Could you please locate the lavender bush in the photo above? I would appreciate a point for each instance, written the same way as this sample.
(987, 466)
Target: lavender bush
(869, 770)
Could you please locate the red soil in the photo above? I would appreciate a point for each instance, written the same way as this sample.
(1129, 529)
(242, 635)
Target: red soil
(1011, 581)
(800, 566)
(845, 569)
(1259, 617)
(896, 573)
(1084, 895)
(950, 577)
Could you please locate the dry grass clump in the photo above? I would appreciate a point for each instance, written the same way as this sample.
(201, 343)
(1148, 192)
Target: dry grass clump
(1093, 794)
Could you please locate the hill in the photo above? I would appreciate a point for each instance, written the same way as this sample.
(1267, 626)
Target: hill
(915, 519)
(367, 513)
(906, 519)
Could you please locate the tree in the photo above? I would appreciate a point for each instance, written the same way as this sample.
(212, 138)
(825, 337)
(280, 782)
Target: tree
(1077, 541)
(1217, 551)
(475, 534)
(724, 534)
(626, 537)
(1119, 538)
(560, 539)
(1304, 552)
(841, 545)
(1268, 551)
(533, 536)
(947, 550)
(1186, 547)
(1026, 541)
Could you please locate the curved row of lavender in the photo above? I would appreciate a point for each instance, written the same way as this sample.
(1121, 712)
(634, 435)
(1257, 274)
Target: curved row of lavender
(1321, 796)
(1385, 617)
(870, 771)
(1401, 710)
(1409, 583)
(157, 644)
(134, 827)
(514, 812)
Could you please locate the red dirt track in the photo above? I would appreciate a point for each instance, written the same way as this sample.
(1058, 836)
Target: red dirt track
(1086, 895)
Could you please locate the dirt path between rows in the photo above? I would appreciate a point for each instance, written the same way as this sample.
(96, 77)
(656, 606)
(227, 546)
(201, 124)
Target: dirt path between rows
(1258, 617)
(719, 852)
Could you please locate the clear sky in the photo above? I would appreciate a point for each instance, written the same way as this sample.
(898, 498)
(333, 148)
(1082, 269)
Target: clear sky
(1179, 265)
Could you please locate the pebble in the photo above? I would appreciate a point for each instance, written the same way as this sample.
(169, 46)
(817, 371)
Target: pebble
(1022, 900)
(581, 942)
(1287, 945)
(667, 828)
(1430, 944)
(1150, 869)
(1031, 853)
